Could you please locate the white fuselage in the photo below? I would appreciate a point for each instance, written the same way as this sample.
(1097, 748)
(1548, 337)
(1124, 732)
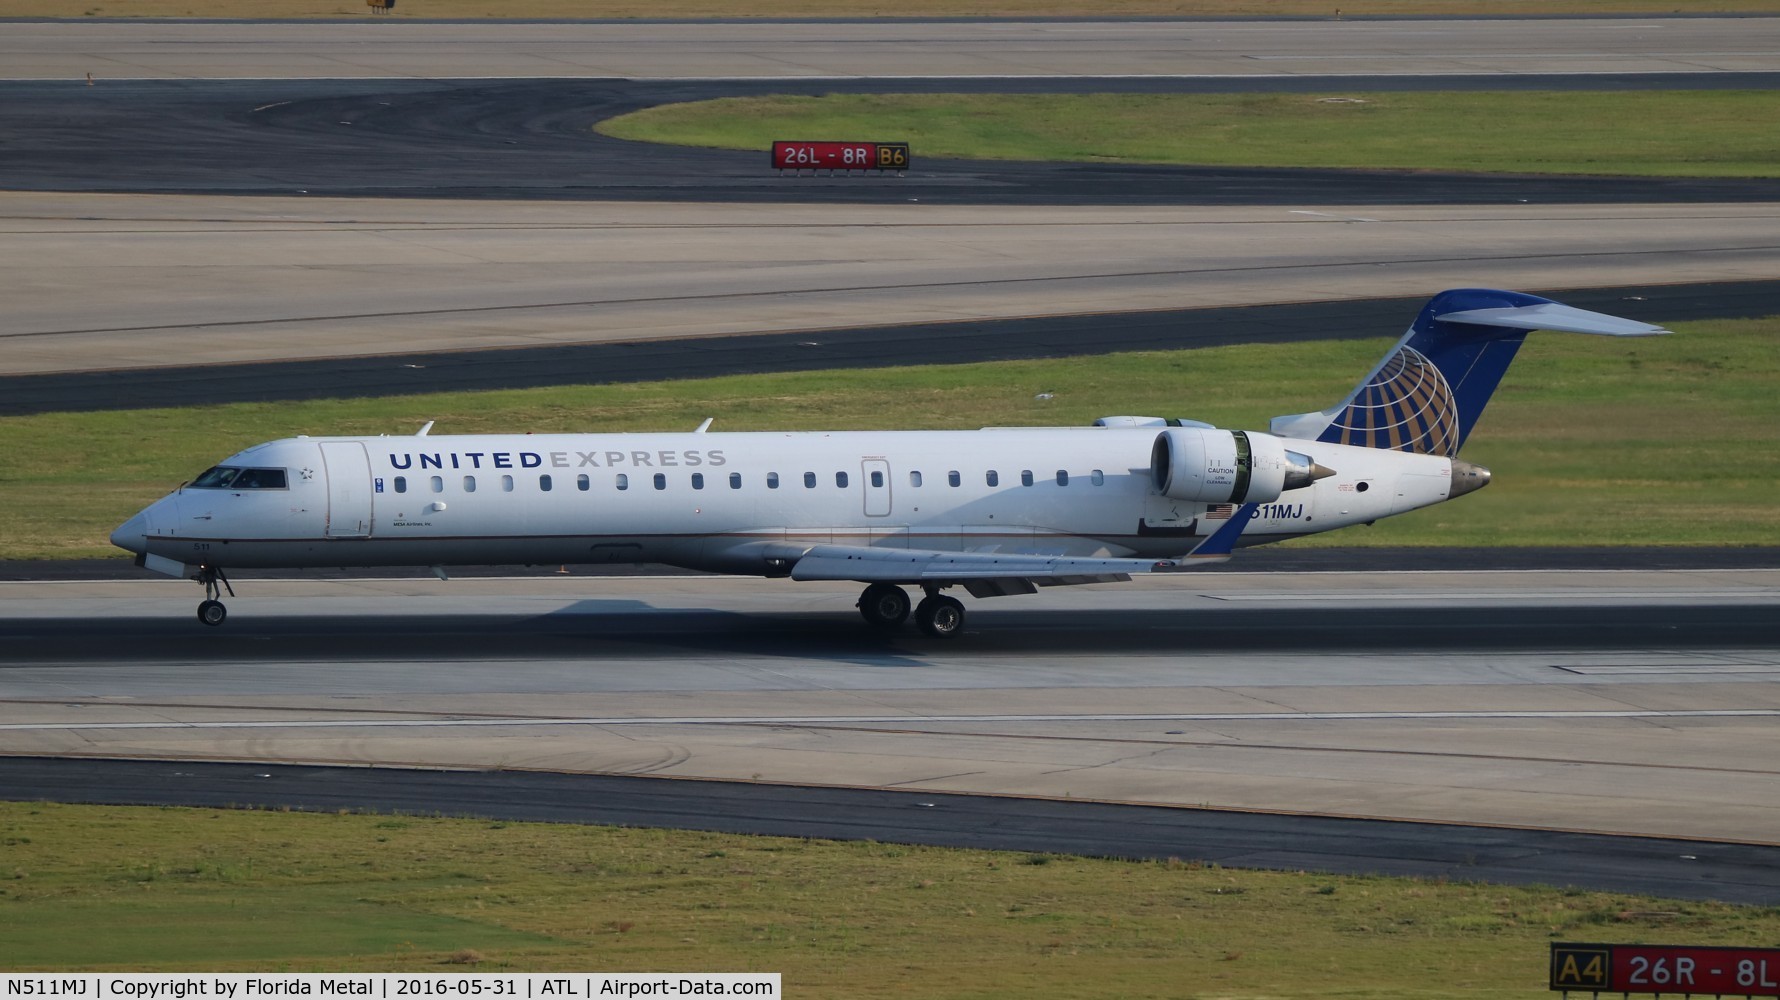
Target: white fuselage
(733, 502)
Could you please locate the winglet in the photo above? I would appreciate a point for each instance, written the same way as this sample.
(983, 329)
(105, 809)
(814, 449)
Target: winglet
(1219, 544)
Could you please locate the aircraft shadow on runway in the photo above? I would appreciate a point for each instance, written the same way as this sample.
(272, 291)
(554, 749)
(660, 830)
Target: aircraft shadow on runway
(598, 630)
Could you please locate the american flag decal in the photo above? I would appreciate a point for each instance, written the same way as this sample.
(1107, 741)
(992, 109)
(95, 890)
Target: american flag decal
(1220, 511)
(1407, 406)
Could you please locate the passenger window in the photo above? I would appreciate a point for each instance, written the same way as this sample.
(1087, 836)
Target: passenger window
(1062, 478)
(735, 480)
(661, 481)
(772, 480)
(914, 478)
(1025, 477)
(840, 480)
(809, 480)
(698, 480)
(623, 481)
(1098, 478)
(992, 477)
(953, 478)
(583, 483)
(469, 484)
(438, 484)
(544, 483)
(877, 479)
(401, 484)
(506, 484)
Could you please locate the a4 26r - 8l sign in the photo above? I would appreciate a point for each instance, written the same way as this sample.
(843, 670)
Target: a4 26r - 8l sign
(824, 155)
(1663, 968)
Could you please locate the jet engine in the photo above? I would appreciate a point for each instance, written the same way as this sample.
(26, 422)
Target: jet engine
(1152, 422)
(1218, 466)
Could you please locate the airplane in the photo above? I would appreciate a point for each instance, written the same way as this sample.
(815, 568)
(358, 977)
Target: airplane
(996, 511)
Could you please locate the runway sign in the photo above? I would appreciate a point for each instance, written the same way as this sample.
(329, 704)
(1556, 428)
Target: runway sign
(812, 155)
(1658, 968)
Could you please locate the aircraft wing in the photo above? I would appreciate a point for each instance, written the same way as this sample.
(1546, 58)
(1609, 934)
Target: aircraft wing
(866, 564)
(985, 573)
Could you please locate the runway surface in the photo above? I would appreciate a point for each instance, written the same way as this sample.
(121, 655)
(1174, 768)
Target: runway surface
(1671, 868)
(1262, 559)
(1611, 702)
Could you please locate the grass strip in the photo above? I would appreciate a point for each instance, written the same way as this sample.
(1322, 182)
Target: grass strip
(162, 890)
(1665, 440)
(1643, 133)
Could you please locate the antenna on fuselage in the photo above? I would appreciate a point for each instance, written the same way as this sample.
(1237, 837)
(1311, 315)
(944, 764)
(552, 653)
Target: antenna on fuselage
(705, 426)
(424, 428)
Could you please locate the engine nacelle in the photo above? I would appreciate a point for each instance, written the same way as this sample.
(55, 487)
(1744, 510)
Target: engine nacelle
(1150, 422)
(1219, 466)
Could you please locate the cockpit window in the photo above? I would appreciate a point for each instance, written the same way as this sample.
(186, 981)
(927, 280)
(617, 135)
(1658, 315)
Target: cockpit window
(224, 477)
(259, 479)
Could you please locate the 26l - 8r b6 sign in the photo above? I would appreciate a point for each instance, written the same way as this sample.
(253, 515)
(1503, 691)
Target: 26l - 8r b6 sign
(826, 155)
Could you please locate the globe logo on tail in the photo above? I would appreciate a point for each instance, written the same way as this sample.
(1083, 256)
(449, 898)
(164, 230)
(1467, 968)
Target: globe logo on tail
(1405, 406)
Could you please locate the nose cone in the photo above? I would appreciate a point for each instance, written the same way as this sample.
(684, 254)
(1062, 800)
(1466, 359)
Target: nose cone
(132, 535)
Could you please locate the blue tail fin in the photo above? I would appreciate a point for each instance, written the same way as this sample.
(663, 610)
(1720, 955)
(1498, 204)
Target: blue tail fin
(1429, 391)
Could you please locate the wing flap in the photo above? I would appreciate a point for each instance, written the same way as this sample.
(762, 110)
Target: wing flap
(867, 565)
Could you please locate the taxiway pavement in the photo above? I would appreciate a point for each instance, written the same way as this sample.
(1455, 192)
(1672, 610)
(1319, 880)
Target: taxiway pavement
(536, 138)
(1682, 869)
(815, 350)
(113, 282)
(885, 49)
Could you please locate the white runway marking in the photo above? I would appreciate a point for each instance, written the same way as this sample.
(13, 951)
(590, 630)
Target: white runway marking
(835, 720)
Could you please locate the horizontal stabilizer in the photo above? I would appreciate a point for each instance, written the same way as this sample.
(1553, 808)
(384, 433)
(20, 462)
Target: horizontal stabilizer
(1553, 316)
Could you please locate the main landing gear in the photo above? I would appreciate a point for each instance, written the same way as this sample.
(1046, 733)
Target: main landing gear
(886, 606)
(211, 611)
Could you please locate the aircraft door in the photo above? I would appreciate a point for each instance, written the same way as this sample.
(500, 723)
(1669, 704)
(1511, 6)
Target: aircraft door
(1415, 490)
(1163, 517)
(875, 475)
(349, 489)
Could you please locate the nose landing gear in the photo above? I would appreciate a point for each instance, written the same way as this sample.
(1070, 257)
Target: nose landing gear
(211, 611)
